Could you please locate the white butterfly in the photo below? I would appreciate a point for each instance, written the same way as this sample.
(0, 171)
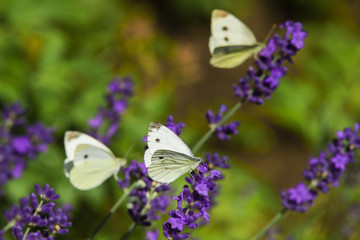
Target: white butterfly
(88, 162)
(167, 157)
(231, 42)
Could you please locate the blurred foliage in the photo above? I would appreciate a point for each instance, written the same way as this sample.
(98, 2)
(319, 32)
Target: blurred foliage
(56, 58)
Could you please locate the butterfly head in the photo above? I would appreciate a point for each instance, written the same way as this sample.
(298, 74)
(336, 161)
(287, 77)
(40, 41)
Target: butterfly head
(121, 161)
(197, 161)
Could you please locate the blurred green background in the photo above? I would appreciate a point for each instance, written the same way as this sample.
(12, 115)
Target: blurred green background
(57, 57)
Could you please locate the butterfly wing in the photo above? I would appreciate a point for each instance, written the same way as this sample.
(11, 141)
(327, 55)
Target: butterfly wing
(73, 138)
(91, 166)
(231, 42)
(166, 165)
(147, 158)
(232, 56)
(161, 137)
(227, 30)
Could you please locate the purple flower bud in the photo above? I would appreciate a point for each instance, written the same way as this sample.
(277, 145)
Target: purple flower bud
(224, 131)
(162, 188)
(95, 122)
(152, 235)
(176, 223)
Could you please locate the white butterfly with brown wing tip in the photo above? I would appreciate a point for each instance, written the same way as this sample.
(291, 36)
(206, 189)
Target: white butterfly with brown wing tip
(88, 162)
(231, 41)
(167, 157)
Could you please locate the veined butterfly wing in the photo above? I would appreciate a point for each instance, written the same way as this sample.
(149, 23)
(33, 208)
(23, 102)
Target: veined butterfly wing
(166, 165)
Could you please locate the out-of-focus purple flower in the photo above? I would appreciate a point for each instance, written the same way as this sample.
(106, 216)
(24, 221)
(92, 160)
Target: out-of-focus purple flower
(325, 170)
(106, 122)
(352, 221)
(19, 142)
(123, 86)
(224, 131)
(152, 235)
(37, 212)
(13, 115)
(175, 127)
(275, 233)
(298, 198)
(214, 160)
(263, 80)
(96, 121)
(193, 203)
(215, 118)
(158, 204)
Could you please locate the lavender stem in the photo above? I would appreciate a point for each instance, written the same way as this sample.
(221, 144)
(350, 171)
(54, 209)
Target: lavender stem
(36, 212)
(113, 209)
(131, 229)
(276, 218)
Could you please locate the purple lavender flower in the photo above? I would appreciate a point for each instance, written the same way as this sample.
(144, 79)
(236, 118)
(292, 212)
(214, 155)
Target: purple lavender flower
(224, 131)
(19, 142)
(298, 198)
(263, 80)
(109, 116)
(152, 235)
(175, 127)
(37, 212)
(214, 160)
(324, 171)
(193, 203)
(140, 198)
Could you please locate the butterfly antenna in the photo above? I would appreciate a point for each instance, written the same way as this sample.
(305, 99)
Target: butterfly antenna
(205, 149)
(129, 150)
(274, 26)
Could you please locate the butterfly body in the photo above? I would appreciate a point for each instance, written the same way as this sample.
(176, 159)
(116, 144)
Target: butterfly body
(167, 157)
(88, 162)
(231, 41)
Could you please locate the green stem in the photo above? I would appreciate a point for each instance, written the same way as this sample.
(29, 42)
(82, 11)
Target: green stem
(129, 150)
(36, 212)
(276, 218)
(207, 135)
(129, 232)
(131, 229)
(113, 209)
(9, 225)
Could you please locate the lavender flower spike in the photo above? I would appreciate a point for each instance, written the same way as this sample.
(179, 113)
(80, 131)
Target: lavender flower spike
(224, 131)
(19, 142)
(263, 79)
(36, 212)
(193, 203)
(119, 91)
(324, 171)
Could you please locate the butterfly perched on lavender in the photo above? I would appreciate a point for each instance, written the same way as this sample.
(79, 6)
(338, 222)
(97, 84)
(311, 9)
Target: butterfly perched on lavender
(167, 157)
